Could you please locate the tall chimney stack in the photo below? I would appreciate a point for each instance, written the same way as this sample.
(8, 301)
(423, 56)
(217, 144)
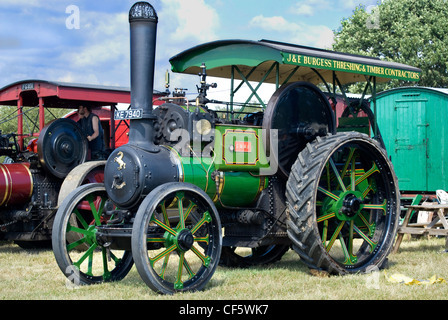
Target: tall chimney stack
(143, 33)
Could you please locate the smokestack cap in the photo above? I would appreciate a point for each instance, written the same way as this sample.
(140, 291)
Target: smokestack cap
(143, 11)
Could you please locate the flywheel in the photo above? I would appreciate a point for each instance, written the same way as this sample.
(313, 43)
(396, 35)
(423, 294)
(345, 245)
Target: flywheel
(296, 114)
(61, 147)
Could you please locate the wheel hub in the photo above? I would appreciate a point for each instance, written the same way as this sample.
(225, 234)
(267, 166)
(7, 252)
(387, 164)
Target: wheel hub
(91, 235)
(185, 240)
(351, 205)
(347, 207)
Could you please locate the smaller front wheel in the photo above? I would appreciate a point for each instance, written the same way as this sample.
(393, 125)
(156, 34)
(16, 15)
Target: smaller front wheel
(176, 238)
(79, 255)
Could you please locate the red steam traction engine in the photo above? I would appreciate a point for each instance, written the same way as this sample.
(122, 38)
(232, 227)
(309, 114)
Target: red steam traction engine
(37, 175)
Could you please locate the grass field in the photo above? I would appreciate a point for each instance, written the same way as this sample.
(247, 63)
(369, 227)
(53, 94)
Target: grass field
(34, 275)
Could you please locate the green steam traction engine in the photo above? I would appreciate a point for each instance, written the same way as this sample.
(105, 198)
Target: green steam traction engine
(192, 188)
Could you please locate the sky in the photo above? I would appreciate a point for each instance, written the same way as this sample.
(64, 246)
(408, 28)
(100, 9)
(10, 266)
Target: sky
(87, 41)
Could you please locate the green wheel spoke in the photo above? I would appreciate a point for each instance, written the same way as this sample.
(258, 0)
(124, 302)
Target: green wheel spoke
(106, 272)
(81, 219)
(328, 193)
(90, 265)
(180, 197)
(87, 254)
(187, 266)
(186, 214)
(335, 236)
(325, 232)
(179, 284)
(326, 217)
(94, 210)
(351, 257)
(205, 259)
(350, 238)
(79, 230)
(163, 254)
(368, 173)
(189, 210)
(114, 258)
(202, 239)
(164, 266)
(338, 176)
(372, 243)
(347, 162)
(352, 176)
(367, 190)
(206, 218)
(382, 206)
(163, 226)
(370, 226)
(73, 245)
(165, 214)
(345, 250)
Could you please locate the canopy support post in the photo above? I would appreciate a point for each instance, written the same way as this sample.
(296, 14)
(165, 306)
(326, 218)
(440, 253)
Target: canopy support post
(254, 92)
(375, 128)
(232, 92)
(112, 128)
(290, 75)
(41, 114)
(20, 122)
(250, 86)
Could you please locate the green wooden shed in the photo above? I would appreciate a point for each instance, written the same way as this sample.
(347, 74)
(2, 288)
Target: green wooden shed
(414, 124)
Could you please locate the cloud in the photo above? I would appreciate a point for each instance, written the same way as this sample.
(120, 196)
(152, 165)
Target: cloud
(102, 55)
(352, 4)
(309, 7)
(300, 33)
(182, 25)
(275, 23)
(304, 9)
(20, 3)
(193, 19)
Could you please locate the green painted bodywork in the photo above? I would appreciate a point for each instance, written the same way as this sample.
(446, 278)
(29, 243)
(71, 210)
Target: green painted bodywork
(414, 124)
(239, 148)
(226, 189)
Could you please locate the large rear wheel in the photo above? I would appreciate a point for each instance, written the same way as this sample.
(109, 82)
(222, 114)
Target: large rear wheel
(343, 204)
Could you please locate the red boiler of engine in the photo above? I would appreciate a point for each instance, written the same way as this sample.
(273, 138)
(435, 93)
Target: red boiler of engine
(16, 183)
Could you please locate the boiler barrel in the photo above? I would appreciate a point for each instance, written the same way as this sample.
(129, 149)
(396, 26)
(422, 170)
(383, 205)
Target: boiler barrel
(235, 189)
(16, 183)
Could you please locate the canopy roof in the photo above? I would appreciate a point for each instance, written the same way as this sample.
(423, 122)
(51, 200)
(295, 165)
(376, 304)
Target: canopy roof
(61, 94)
(221, 56)
(54, 94)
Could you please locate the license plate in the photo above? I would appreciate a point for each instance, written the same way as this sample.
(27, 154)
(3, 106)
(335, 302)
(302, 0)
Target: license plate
(128, 114)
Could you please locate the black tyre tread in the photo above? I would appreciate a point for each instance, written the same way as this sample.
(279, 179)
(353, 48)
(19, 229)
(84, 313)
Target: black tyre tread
(300, 189)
